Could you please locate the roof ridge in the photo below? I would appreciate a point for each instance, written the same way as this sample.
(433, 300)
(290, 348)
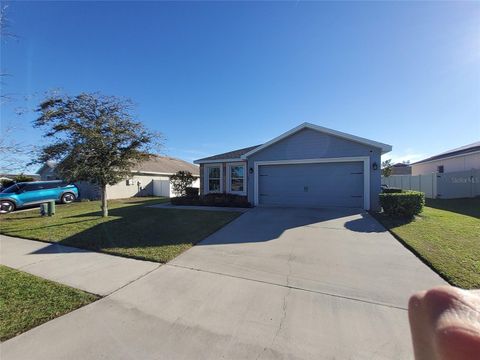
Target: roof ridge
(233, 154)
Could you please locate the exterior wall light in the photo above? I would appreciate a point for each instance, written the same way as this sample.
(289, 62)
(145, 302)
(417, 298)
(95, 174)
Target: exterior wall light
(250, 170)
(375, 166)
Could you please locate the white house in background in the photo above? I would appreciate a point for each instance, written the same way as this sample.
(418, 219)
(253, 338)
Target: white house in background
(149, 178)
(401, 169)
(460, 159)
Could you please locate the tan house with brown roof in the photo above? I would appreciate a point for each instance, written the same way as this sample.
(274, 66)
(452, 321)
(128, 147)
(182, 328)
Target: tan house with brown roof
(460, 159)
(149, 178)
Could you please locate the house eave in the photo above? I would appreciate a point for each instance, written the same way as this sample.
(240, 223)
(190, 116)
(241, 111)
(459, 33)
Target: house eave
(206, 161)
(426, 161)
(137, 172)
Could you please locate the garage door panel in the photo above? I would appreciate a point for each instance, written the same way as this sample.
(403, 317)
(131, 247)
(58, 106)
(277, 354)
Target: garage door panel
(313, 185)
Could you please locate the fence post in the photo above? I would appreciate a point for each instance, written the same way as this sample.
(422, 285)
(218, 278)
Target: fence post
(472, 183)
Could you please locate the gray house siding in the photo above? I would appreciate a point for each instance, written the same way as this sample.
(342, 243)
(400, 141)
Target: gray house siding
(46, 173)
(311, 144)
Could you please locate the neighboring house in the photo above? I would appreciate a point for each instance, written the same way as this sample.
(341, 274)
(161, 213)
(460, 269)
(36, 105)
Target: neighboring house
(401, 169)
(47, 171)
(13, 176)
(151, 177)
(308, 166)
(460, 159)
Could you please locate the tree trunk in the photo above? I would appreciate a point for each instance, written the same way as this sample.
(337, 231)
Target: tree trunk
(104, 201)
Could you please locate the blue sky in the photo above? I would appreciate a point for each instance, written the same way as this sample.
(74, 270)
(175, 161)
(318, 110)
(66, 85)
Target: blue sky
(215, 76)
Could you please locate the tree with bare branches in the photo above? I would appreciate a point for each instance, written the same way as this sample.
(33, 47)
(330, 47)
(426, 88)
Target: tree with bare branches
(10, 148)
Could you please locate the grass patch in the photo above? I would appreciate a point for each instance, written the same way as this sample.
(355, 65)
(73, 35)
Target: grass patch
(132, 229)
(27, 301)
(446, 235)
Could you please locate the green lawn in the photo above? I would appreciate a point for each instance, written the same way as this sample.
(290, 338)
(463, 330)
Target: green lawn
(27, 301)
(446, 236)
(131, 230)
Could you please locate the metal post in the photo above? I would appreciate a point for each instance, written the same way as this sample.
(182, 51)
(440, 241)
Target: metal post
(43, 209)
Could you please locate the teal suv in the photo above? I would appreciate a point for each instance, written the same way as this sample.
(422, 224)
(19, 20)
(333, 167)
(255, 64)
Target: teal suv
(23, 194)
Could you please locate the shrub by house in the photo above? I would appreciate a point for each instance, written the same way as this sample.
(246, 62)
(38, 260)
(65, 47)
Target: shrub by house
(402, 204)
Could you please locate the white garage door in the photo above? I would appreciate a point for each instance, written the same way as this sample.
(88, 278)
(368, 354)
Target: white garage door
(312, 185)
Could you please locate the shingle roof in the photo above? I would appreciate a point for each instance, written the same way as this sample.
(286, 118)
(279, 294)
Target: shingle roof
(235, 154)
(156, 164)
(458, 151)
(166, 165)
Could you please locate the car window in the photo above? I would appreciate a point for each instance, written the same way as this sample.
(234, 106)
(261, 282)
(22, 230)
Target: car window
(34, 186)
(11, 189)
(52, 185)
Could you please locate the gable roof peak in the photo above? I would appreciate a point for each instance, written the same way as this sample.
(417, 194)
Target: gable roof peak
(385, 148)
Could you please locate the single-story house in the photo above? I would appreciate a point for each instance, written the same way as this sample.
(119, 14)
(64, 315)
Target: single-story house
(464, 158)
(149, 178)
(47, 171)
(308, 166)
(401, 169)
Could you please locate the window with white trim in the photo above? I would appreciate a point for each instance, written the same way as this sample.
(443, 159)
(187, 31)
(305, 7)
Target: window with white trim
(236, 178)
(214, 178)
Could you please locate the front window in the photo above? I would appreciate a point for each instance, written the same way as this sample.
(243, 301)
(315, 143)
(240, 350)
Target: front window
(236, 178)
(214, 177)
(237, 175)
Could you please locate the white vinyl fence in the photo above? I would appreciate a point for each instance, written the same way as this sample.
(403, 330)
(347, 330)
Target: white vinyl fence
(454, 185)
(163, 187)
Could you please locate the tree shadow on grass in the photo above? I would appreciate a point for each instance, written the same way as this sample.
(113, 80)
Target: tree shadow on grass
(467, 206)
(161, 234)
(112, 211)
(144, 233)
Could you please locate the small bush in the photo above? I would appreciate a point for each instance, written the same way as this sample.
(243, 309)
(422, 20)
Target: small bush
(402, 204)
(391, 190)
(181, 181)
(191, 192)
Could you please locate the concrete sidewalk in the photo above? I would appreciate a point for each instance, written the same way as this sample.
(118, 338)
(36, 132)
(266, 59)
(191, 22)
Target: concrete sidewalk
(181, 314)
(82, 269)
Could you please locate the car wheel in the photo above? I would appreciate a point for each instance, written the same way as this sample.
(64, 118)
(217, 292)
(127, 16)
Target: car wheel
(6, 206)
(68, 198)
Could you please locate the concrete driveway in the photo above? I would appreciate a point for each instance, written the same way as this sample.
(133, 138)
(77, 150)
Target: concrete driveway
(336, 251)
(273, 284)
